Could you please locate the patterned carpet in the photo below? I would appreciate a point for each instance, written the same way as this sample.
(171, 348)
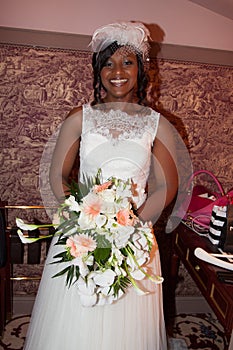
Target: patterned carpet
(193, 331)
(200, 331)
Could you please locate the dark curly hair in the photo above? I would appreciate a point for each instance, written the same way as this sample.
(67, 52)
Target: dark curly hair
(98, 62)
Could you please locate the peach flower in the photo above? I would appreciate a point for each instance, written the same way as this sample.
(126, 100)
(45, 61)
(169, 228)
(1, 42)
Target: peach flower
(92, 205)
(80, 244)
(124, 217)
(104, 186)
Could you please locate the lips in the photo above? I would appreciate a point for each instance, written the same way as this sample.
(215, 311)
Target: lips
(118, 82)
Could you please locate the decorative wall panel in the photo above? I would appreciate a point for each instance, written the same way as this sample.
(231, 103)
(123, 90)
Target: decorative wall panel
(39, 86)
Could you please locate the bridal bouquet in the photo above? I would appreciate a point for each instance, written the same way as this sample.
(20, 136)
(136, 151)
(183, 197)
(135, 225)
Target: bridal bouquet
(105, 247)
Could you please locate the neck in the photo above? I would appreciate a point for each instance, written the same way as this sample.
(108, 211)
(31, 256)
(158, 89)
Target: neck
(128, 99)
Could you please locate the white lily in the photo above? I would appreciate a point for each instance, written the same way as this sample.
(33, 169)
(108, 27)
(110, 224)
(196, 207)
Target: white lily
(100, 220)
(56, 219)
(105, 278)
(123, 191)
(137, 275)
(134, 262)
(138, 290)
(111, 224)
(25, 239)
(119, 271)
(146, 230)
(154, 278)
(122, 235)
(125, 203)
(89, 260)
(143, 241)
(86, 221)
(27, 227)
(86, 287)
(83, 269)
(108, 195)
(104, 298)
(72, 204)
(116, 257)
(110, 208)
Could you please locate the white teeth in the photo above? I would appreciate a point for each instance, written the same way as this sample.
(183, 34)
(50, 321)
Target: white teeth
(118, 81)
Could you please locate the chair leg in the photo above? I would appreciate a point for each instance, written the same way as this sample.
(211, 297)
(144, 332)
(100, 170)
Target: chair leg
(8, 281)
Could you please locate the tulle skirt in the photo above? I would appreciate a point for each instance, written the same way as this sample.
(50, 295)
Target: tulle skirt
(60, 322)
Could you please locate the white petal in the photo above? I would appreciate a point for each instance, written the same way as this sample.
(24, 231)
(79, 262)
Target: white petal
(120, 271)
(108, 195)
(122, 235)
(103, 299)
(105, 291)
(72, 204)
(137, 275)
(84, 287)
(90, 260)
(156, 279)
(25, 239)
(141, 260)
(105, 278)
(85, 221)
(100, 220)
(56, 219)
(83, 269)
(29, 227)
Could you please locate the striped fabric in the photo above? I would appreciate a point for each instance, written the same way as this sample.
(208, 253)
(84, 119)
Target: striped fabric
(218, 223)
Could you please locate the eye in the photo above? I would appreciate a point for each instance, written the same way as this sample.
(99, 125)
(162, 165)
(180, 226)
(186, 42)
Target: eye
(108, 63)
(128, 62)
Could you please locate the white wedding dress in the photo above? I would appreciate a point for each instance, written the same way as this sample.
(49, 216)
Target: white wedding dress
(120, 144)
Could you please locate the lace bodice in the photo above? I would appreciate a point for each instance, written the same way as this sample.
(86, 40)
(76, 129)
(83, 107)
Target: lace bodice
(119, 142)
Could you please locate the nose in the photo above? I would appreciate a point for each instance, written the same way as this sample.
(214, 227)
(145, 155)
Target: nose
(118, 69)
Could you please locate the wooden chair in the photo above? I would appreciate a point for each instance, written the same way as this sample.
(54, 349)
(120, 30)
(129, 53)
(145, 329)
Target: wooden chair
(14, 252)
(5, 271)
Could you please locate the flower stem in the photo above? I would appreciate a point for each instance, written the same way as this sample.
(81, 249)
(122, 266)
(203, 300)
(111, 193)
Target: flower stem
(153, 278)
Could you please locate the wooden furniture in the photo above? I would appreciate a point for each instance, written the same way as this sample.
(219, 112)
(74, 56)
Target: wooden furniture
(219, 295)
(18, 253)
(5, 272)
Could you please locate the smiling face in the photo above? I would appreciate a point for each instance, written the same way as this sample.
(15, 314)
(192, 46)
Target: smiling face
(119, 76)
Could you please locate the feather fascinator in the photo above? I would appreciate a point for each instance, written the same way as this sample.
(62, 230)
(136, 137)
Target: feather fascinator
(133, 34)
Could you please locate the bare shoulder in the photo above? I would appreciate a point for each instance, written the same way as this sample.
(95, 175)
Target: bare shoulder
(76, 110)
(72, 124)
(165, 128)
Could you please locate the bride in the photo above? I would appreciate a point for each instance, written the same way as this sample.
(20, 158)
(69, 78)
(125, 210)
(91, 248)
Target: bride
(120, 135)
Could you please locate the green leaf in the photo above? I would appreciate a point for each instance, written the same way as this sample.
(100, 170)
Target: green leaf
(61, 272)
(64, 257)
(77, 273)
(80, 190)
(102, 241)
(122, 283)
(60, 255)
(102, 255)
(61, 241)
(70, 276)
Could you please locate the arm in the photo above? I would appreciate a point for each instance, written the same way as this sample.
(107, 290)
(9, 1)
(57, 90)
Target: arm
(165, 175)
(65, 152)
